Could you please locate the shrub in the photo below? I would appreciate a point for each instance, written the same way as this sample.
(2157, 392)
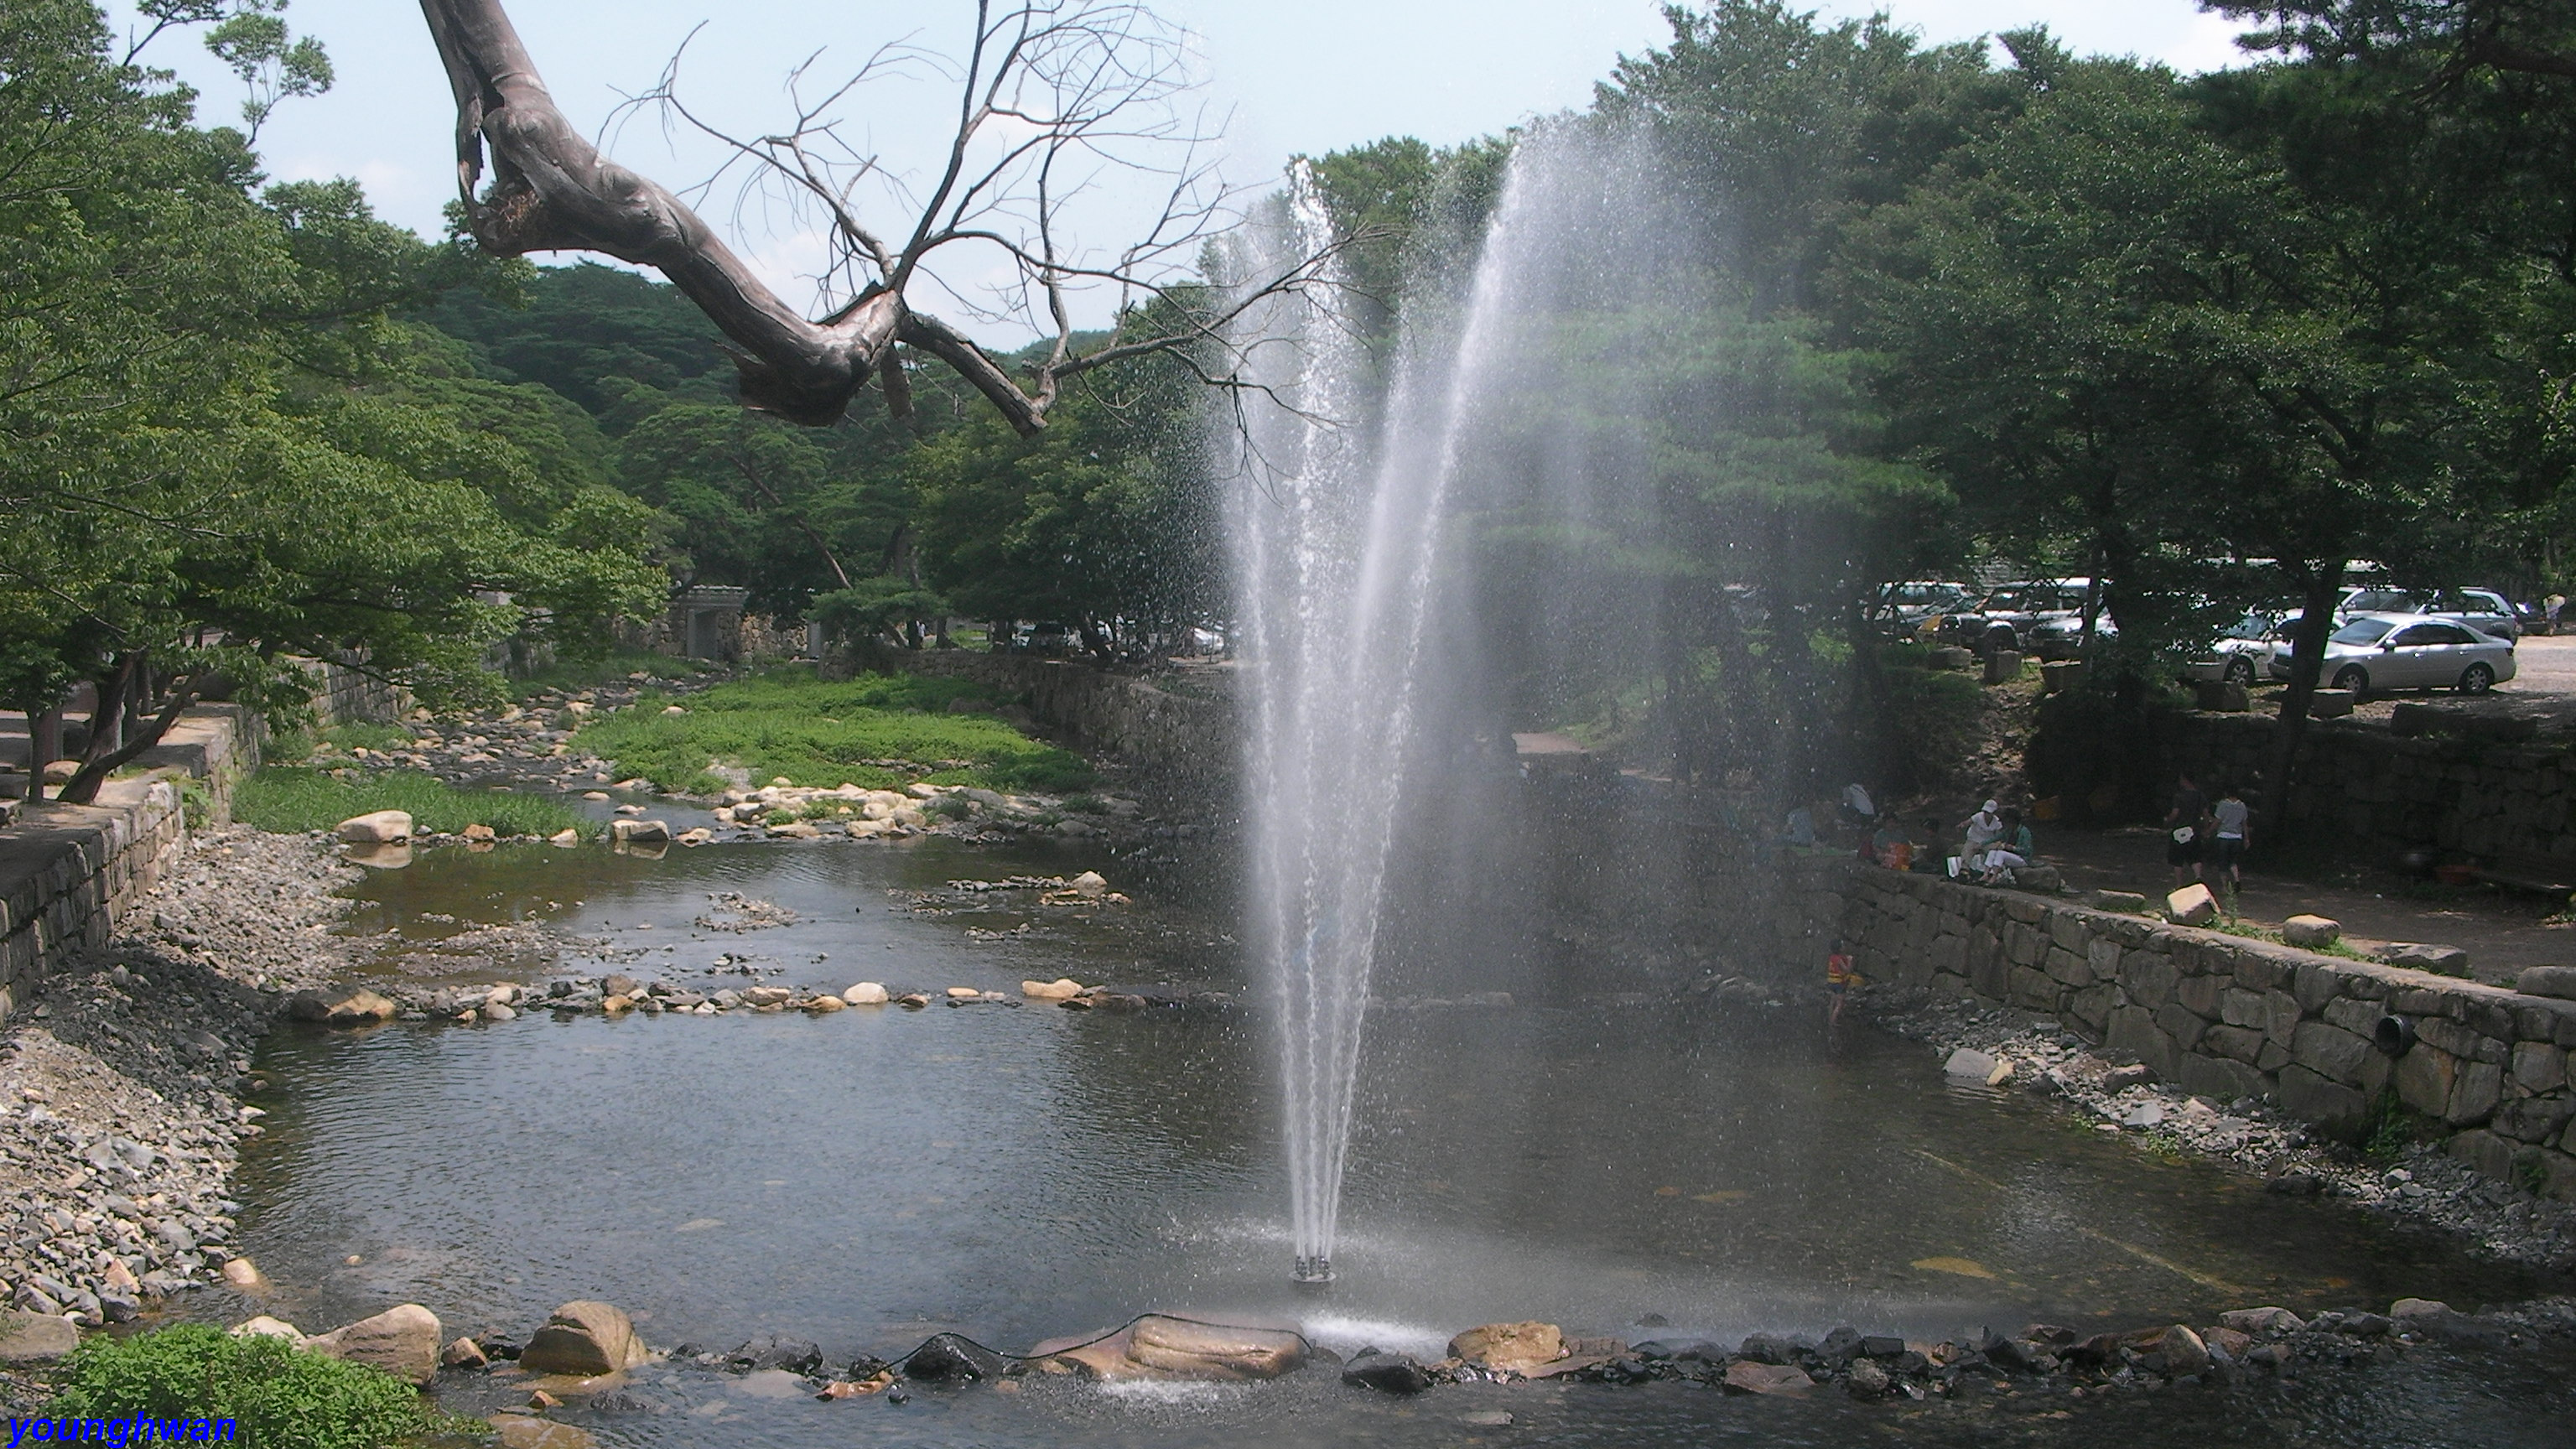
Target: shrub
(280, 1396)
(291, 798)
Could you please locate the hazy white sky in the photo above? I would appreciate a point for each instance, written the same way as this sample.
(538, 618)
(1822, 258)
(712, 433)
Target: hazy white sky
(1291, 75)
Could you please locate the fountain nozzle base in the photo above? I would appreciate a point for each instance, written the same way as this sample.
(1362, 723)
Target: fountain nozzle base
(1312, 1273)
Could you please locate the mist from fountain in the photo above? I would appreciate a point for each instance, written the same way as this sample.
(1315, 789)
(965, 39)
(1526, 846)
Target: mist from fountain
(1348, 568)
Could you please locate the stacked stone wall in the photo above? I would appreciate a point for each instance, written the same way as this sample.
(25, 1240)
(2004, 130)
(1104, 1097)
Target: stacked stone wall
(1141, 719)
(68, 873)
(2226, 1017)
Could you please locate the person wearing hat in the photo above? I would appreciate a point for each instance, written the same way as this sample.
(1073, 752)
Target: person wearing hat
(1984, 829)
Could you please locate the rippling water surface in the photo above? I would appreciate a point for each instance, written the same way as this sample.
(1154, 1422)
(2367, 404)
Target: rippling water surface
(865, 1179)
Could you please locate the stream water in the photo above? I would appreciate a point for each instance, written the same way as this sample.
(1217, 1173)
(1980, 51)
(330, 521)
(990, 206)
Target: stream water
(1012, 1173)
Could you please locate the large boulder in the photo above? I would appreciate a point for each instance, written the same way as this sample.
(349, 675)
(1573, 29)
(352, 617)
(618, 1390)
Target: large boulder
(2557, 981)
(1159, 1347)
(640, 832)
(354, 1007)
(377, 827)
(584, 1338)
(402, 1341)
(27, 1338)
(1511, 1347)
(865, 993)
(2311, 933)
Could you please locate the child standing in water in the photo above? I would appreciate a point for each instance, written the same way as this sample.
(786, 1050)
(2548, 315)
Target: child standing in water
(1839, 979)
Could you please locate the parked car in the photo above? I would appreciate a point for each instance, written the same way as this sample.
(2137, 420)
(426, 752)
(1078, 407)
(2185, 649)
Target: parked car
(2484, 610)
(1900, 610)
(2005, 615)
(1049, 637)
(2061, 636)
(2246, 647)
(2381, 652)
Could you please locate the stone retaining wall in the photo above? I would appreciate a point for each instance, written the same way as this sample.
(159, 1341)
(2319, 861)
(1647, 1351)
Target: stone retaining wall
(1182, 724)
(2225, 1017)
(68, 872)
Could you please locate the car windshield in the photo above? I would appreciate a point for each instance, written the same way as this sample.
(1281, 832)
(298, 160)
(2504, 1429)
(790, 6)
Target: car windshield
(2252, 626)
(2380, 601)
(2363, 631)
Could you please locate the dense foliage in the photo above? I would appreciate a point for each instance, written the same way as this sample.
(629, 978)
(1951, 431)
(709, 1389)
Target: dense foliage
(277, 1395)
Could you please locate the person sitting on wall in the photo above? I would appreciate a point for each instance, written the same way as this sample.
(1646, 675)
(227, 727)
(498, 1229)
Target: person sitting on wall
(1927, 856)
(2011, 851)
(1890, 846)
(1983, 828)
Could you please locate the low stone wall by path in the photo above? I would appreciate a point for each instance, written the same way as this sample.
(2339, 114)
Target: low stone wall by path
(68, 872)
(1182, 724)
(2225, 1017)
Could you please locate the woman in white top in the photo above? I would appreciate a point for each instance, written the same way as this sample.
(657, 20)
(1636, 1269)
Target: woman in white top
(2227, 844)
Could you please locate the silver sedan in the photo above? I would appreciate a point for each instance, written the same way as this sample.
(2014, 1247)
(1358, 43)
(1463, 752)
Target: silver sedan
(2380, 652)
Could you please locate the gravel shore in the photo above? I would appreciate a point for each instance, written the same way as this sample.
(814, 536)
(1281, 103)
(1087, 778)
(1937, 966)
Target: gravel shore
(2419, 1185)
(120, 1088)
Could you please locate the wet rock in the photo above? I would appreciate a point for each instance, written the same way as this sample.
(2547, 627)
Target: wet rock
(243, 1276)
(402, 1341)
(1768, 1348)
(639, 832)
(1700, 1349)
(913, 1000)
(965, 993)
(1392, 1373)
(1744, 1376)
(825, 1005)
(584, 1338)
(564, 839)
(359, 1007)
(376, 827)
(767, 996)
(2311, 933)
(1061, 989)
(31, 1338)
(952, 1358)
(1970, 1065)
(1185, 1348)
(1866, 1380)
(498, 1011)
(865, 993)
(1511, 1347)
(464, 1353)
(792, 1354)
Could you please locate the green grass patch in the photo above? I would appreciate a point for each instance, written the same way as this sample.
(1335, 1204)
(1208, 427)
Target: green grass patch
(2251, 932)
(822, 733)
(277, 1395)
(288, 747)
(291, 798)
(2392, 1127)
(616, 667)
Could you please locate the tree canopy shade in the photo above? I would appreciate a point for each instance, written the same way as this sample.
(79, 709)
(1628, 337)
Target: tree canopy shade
(217, 447)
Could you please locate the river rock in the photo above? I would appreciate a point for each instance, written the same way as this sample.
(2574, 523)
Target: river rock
(1089, 883)
(1866, 1380)
(2552, 981)
(825, 1005)
(2311, 933)
(1971, 1065)
(498, 1011)
(583, 1338)
(948, 1357)
(1185, 1348)
(639, 832)
(865, 993)
(526, 1431)
(266, 1327)
(1063, 988)
(766, 996)
(2262, 1322)
(2184, 1352)
(1747, 1377)
(402, 1341)
(359, 1007)
(1387, 1372)
(480, 832)
(564, 839)
(464, 1353)
(377, 827)
(1511, 1347)
(2193, 905)
(243, 1276)
(965, 993)
(27, 1338)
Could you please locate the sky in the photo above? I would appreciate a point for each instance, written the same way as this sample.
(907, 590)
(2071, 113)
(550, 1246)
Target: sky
(1282, 77)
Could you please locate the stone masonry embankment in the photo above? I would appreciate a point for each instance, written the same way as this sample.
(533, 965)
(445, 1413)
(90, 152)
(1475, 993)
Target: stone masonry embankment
(68, 873)
(2227, 1018)
(2462, 784)
(1181, 724)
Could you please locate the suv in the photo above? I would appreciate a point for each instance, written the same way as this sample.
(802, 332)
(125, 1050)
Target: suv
(1902, 609)
(2006, 617)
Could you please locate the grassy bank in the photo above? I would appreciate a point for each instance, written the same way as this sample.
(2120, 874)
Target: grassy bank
(290, 798)
(788, 722)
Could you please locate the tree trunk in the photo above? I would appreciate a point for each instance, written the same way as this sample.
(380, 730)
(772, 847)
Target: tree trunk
(44, 746)
(2318, 590)
(82, 788)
